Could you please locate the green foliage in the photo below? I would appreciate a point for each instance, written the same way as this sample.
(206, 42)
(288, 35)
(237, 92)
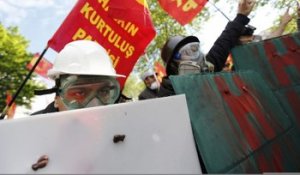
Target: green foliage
(13, 60)
(279, 4)
(133, 87)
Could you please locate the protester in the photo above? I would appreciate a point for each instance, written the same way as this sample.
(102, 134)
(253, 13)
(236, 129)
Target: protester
(152, 85)
(84, 77)
(284, 20)
(182, 55)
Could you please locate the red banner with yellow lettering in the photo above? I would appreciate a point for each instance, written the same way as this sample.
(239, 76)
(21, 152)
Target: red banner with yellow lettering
(183, 10)
(43, 66)
(124, 37)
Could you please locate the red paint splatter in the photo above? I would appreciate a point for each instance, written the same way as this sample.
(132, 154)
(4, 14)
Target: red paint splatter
(280, 62)
(262, 162)
(241, 106)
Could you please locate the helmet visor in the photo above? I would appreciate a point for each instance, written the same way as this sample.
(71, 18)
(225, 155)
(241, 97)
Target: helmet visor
(190, 52)
(78, 91)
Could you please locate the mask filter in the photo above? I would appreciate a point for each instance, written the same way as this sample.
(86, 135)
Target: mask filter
(191, 67)
(188, 67)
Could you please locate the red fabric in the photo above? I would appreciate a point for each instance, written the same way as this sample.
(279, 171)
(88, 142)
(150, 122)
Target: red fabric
(43, 66)
(11, 111)
(124, 40)
(160, 70)
(138, 13)
(183, 10)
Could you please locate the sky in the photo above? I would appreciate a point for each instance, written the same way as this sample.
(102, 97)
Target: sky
(38, 20)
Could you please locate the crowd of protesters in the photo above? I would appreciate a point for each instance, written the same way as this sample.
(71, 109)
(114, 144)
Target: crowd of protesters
(81, 80)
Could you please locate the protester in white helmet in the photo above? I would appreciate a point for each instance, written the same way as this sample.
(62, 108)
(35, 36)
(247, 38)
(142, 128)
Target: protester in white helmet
(152, 85)
(84, 77)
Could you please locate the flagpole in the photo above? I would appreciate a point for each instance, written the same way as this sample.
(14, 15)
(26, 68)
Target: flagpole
(215, 6)
(4, 112)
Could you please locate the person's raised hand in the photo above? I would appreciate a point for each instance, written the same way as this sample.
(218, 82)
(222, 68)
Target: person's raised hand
(246, 6)
(286, 18)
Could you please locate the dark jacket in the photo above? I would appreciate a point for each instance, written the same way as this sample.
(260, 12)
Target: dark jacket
(166, 88)
(219, 52)
(49, 109)
(148, 93)
(229, 38)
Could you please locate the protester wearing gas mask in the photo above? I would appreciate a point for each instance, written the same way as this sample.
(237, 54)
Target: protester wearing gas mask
(84, 77)
(182, 54)
(152, 85)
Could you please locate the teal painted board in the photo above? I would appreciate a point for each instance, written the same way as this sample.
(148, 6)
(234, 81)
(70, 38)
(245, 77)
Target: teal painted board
(290, 100)
(277, 60)
(232, 115)
(279, 155)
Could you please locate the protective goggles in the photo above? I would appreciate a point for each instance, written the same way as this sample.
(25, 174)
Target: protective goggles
(190, 52)
(87, 91)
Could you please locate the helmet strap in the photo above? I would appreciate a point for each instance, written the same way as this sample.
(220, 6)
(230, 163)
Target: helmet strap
(55, 89)
(57, 85)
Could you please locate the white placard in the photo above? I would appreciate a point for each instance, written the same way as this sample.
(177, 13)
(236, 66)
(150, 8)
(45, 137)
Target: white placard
(158, 139)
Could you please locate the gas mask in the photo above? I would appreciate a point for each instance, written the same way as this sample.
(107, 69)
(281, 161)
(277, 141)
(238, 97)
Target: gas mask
(88, 91)
(191, 60)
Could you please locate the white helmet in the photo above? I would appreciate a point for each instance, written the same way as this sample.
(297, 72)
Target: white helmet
(83, 57)
(147, 74)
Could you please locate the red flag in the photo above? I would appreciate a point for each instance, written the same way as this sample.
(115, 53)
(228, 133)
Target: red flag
(160, 70)
(182, 10)
(43, 66)
(11, 111)
(124, 37)
(138, 13)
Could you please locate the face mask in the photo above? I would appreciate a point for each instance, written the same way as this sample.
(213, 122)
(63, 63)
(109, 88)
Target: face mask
(154, 85)
(192, 67)
(188, 67)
